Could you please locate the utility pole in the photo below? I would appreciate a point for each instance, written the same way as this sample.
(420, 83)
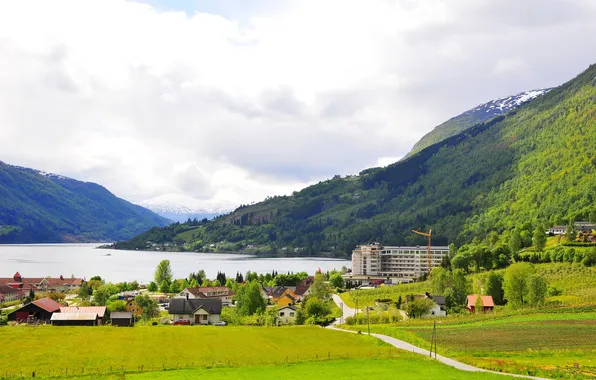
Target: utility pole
(368, 320)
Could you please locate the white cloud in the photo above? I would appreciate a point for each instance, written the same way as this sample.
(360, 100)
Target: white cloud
(148, 102)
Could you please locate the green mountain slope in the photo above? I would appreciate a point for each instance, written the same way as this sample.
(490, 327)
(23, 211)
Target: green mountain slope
(36, 207)
(536, 163)
(475, 116)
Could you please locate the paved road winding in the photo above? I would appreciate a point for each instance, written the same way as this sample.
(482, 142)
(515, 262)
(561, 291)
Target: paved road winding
(349, 312)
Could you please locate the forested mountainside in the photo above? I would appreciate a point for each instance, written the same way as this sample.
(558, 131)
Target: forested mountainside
(535, 164)
(37, 207)
(475, 116)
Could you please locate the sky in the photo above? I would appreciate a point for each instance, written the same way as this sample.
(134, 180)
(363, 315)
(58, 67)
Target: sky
(233, 101)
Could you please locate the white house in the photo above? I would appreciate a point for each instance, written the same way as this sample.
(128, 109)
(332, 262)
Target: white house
(439, 309)
(287, 314)
(214, 292)
(197, 311)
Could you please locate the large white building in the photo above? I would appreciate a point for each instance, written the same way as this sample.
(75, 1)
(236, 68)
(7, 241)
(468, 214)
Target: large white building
(377, 261)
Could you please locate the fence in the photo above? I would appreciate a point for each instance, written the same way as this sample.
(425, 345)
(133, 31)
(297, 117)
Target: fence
(379, 353)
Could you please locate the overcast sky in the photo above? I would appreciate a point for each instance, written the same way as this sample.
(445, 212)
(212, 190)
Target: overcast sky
(236, 100)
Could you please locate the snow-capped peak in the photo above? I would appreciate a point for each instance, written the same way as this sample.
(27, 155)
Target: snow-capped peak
(183, 204)
(504, 105)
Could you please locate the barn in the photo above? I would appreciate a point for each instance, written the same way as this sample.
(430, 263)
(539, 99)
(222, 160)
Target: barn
(39, 310)
(100, 311)
(74, 319)
(122, 318)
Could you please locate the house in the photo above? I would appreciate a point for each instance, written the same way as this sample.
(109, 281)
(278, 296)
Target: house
(222, 293)
(75, 319)
(122, 318)
(439, 308)
(303, 288)
(562, 229)
(9, 294)
(100, 311)
(279, 295)
(197, 311)
(487, 303)
(38, 310)
(131, 306)
(46, 284)
(287, 314)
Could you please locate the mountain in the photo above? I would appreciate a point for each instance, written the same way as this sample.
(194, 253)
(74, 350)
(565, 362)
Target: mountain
(535, 164)
(39, 207)
(475, 116)
(180, 208)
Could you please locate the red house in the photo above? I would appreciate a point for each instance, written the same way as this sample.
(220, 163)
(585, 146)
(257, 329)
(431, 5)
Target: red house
(487, 303)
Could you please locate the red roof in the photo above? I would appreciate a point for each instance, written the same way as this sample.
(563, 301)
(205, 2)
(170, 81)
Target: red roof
(487, 301)
(5, 289)
(47, 304)
(304, 285)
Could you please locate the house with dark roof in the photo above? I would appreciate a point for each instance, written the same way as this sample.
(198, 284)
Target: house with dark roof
(279, 295)
(122, 318)
(197, 311)
(302, 289)
(287, 314)
(74, 319)
(222, 293)
(39, 310)
(439, 308)
(487, 303)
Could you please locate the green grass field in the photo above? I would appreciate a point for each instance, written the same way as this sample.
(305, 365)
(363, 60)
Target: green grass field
(406, 366)
(51, 349)
(539, 344)
(577, 282)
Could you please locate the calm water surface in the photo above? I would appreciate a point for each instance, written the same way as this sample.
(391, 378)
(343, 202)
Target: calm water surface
(83, 260)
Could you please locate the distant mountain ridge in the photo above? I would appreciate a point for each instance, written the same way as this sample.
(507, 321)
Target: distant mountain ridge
(40, 207)
(534, 165)
(476, 115)
(180, 208)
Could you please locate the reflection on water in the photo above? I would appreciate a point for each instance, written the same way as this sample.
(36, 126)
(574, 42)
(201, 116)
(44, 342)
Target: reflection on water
(83, 260)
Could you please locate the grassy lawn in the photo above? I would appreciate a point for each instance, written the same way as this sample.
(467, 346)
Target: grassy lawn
(97, 349)
(405, 366)
(528, 344)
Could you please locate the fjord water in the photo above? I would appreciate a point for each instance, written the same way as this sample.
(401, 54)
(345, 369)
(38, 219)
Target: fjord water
(83, 260)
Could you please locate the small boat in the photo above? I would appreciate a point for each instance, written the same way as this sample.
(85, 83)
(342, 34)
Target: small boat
(108, 254)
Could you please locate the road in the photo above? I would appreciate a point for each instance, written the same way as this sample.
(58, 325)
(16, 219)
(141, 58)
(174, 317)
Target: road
(349, 312)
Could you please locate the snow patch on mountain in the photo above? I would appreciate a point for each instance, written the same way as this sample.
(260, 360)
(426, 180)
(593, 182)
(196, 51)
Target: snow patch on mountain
(183, 204)
(504, 105)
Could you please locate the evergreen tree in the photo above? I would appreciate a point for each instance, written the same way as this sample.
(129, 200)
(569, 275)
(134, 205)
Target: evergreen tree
(571, 231)
(494, 287)
(539, 238)
(515, 241)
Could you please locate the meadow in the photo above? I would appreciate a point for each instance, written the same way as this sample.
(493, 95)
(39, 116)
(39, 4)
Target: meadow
(55, 351)
(577, 283)
(543, 344)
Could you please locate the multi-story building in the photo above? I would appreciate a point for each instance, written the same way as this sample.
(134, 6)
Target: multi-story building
(377, 261)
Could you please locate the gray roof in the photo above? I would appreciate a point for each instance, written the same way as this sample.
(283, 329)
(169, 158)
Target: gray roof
(288, 307)
(121, 315)
(439, 300)
(189, 306)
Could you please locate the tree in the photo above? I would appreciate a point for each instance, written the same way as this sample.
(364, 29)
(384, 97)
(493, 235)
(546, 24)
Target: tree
(319, 289)
(316, 309)
(494, 287)
(84, 291)
(134, 285)
(100, 297)
(337, 281)
(249, 299)
(478, 305)
(399, 302)
(452, 250)
(515, 283)
(515, 241)
(117, 305)
(539, 237)
(152, 287)
(571, 231)
(461, 286)
(537, 289)
(300, 317)
(148, 305)
(164, 287)
(221, 277)
(175, 287)
(163, 272)
(419, 307)
(440, 280)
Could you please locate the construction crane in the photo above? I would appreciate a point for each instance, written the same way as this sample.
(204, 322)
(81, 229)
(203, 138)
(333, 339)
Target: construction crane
(429, 235)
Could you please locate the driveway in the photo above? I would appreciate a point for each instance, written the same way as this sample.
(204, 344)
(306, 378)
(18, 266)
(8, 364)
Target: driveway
(348, 312)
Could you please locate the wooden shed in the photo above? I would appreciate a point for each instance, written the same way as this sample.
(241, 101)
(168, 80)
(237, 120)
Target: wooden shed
(74, 319)
(122, 318)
